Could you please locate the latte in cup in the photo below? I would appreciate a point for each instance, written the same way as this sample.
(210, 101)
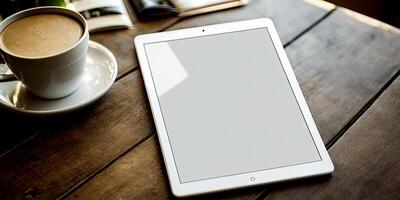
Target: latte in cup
(41, 35)
(45, 48)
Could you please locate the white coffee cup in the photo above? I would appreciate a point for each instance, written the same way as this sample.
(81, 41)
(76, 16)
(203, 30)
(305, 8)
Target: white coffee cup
(53, 76)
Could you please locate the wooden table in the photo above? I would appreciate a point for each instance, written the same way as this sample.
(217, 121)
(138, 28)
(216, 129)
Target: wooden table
(348, 66)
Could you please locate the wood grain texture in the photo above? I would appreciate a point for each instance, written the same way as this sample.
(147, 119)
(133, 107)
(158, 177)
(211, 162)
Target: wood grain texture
(343, 74)
(341, 64)
(74, 147)
(140, 174)
(131, 172)
(366, 158)
(81, 143)
(84, 142)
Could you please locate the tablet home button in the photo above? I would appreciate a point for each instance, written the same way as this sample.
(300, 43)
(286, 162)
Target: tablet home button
(252, 178)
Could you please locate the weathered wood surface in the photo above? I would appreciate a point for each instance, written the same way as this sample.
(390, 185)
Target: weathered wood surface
(341, 64)
(73, 148)
(366, 158)
(140, 174)
(338, 77)
(109, 149)
(59, 158)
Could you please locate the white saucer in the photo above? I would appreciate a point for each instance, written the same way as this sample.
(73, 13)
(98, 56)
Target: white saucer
(99, 75)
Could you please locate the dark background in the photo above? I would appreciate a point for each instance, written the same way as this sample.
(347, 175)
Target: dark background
(384, 10)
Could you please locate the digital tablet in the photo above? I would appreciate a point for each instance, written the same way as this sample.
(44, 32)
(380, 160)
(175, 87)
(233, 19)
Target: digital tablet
(227, 107)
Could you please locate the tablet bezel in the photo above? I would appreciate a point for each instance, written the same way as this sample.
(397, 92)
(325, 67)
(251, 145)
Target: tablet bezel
(324, 166)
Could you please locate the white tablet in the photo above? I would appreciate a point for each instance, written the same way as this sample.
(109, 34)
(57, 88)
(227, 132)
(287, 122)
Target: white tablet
(228, 110)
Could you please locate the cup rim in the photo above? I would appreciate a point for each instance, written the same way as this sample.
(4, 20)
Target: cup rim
(66, 11)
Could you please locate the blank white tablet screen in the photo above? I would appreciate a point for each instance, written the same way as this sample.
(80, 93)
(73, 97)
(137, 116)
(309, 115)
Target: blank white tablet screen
(227, 105)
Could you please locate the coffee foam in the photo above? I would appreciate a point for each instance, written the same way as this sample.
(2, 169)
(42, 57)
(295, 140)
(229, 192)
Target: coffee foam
(41, 35)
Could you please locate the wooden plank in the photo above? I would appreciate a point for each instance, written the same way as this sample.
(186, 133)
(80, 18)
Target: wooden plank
(129, 175)
(341, 64)
(347, 79)
(87, 140)
(129, 184)
(76, 146)
(366, 158)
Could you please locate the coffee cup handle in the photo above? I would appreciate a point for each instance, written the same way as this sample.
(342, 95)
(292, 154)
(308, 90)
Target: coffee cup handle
(5, 72)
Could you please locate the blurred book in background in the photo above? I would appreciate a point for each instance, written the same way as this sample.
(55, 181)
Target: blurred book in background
(103, 14)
